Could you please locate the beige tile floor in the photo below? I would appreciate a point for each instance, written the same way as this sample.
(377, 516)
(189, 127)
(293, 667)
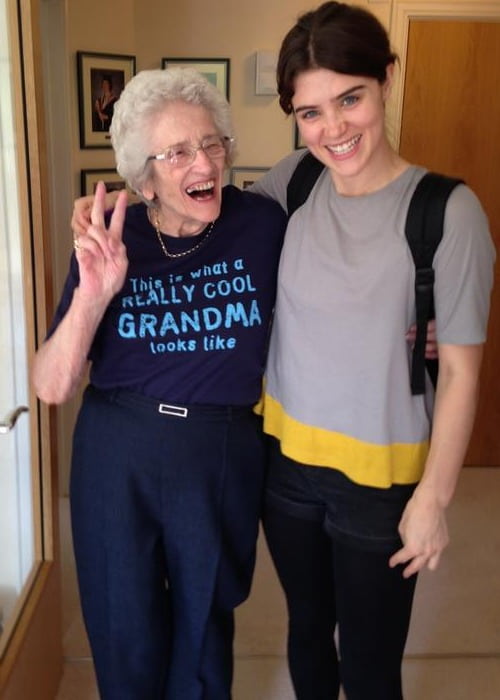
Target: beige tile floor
(453, 652)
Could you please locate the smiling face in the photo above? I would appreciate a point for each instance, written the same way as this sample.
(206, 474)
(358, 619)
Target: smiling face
(188, 197)
(341, 119)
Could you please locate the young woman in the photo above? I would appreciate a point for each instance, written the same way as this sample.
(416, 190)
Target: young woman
(358, 486)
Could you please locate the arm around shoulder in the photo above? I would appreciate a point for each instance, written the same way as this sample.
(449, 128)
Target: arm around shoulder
(82, 208)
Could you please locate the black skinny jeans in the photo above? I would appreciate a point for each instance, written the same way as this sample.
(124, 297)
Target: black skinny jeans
(330, 582)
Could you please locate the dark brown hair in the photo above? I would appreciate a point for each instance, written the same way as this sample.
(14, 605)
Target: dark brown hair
(342, 38)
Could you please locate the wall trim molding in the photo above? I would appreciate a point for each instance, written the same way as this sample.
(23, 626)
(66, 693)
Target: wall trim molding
(402, 14)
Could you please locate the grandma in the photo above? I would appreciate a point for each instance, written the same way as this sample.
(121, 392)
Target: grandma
(168, 459)
(209, 318)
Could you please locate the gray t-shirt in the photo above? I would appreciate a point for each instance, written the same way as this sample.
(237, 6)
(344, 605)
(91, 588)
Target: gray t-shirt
(337, 382)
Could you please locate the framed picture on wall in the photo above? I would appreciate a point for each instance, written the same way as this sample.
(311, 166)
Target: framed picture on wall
(101, 79)
(90, 178)
(244, 177)
(216, 70)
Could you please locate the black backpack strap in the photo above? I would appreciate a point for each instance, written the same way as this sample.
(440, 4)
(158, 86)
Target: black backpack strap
(304, 176)
(424, 230)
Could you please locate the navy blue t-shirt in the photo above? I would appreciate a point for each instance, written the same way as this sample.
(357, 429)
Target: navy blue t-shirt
(192, 329)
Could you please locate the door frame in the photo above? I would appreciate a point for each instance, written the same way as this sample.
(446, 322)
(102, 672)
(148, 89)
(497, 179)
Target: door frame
(31, 665)
(403, 11)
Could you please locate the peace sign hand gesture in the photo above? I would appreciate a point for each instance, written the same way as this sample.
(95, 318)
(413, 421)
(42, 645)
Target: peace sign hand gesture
(100, 252)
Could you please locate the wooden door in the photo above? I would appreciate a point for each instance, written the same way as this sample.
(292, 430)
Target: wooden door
(30, 629)
(451, 124)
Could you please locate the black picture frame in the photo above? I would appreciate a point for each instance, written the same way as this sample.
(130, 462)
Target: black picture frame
(216, 70)
(94, 70)
(110, 177)
(243, 177)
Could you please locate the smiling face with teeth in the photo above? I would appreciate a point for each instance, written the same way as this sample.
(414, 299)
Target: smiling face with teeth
(188, 197)
(341, 119)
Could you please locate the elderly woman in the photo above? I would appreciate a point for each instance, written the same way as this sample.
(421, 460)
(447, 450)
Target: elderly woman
(171, 302)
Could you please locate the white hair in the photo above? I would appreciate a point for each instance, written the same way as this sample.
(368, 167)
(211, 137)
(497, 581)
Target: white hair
(146, 95)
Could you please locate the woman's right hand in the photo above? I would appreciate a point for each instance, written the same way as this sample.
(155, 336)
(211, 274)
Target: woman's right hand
(100, 252)
(80, 220)
(82, 208)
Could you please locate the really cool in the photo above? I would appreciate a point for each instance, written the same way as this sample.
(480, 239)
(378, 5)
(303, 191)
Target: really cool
(178, 294)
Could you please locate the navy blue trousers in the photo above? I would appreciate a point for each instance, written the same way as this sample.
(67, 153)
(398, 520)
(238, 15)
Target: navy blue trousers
(165, 514)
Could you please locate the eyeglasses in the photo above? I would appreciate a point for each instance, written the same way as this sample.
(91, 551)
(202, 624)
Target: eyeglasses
(182, 154)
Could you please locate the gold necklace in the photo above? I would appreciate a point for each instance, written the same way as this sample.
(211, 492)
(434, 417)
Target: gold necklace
(156, 225)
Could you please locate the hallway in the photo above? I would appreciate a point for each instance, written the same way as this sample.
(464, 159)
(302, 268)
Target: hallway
(453, 652)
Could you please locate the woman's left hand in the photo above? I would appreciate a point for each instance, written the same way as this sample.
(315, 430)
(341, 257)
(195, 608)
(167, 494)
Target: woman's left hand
(424, 532)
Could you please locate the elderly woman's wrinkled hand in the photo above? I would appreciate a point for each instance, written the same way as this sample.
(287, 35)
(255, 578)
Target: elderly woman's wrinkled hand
(100, 252)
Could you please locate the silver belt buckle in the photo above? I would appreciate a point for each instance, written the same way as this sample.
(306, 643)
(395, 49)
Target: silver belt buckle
(179, 411)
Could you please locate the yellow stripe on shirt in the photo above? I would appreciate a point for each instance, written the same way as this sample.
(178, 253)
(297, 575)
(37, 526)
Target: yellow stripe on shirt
(363, 462)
